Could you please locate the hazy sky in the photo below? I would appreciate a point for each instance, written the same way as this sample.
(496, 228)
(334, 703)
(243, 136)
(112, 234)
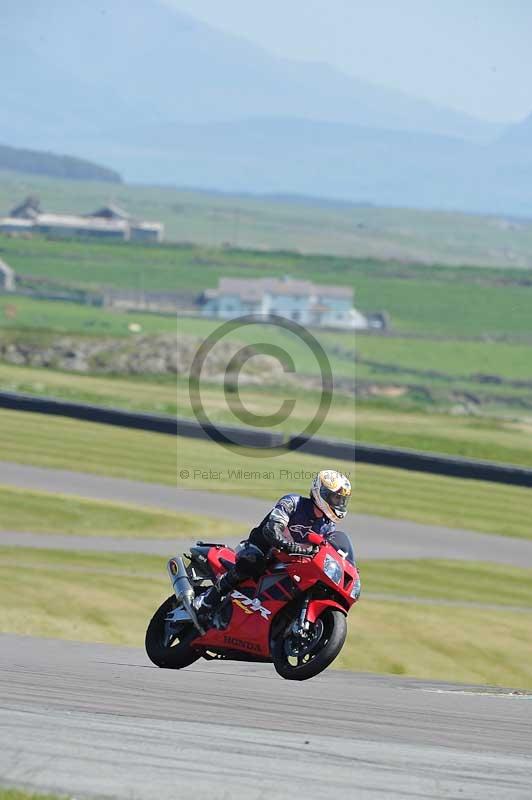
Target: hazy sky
(472, 55)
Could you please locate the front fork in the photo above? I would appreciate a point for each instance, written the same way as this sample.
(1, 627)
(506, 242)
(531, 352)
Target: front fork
(301, 625)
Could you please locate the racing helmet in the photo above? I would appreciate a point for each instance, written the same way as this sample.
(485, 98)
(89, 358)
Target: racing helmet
(331, 492)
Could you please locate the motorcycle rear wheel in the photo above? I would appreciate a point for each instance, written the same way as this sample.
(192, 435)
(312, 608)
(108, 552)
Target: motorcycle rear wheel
(169, 648)
(296, 663)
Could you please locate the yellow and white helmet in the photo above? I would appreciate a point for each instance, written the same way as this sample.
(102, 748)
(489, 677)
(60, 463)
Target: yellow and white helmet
(331, 491)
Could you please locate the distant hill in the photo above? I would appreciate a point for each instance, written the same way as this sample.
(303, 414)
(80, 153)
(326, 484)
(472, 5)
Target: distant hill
(165, 99)
(100, 68)
(55, 166)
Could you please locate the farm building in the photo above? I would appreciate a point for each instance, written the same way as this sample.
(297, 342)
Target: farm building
(109, 222)
(301, 301)
(70, 226)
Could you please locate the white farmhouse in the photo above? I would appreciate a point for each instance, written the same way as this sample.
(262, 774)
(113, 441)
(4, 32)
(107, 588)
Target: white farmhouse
(7, 278)
(308, 303)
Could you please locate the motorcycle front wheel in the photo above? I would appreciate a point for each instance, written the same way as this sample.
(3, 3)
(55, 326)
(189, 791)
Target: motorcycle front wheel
(168, 644)
(298, 659)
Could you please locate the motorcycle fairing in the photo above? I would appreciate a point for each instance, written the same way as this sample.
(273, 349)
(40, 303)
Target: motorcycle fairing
(248, 625)
(317, 607)
(276, 586)
(314, 571)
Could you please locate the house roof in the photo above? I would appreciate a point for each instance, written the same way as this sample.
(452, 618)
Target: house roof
(28, 209)
(110, 211)
(333, 291)
(292, 288)
(245, 289)
(256, 288)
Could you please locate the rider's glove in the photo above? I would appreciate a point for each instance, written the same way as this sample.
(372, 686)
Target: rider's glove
(296, 549)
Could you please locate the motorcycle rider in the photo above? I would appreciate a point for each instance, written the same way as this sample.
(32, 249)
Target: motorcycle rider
(285, 527)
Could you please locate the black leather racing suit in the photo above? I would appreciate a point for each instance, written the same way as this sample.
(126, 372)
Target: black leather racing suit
(285, 527)
(288, 523)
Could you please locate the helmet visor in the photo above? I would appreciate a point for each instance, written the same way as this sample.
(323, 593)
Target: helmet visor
(338, 501)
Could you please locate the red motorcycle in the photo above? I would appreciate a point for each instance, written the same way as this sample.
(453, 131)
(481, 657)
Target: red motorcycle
(293, 616)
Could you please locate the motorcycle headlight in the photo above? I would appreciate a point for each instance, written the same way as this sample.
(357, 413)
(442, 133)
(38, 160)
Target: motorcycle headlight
(332, 569)
(355, 591)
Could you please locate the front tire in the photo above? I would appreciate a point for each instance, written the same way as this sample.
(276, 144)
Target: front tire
(297, 661)
(169, 646)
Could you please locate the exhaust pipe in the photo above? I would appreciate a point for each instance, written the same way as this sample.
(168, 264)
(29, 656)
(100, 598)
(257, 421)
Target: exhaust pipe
(183, 589)
(180, 580)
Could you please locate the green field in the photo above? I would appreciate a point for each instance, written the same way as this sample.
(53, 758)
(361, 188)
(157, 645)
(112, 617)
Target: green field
(215, 219)
(487, 378)
(437, 300)
(461, 335)
(139, 455)
(43, 318)
(448, 358)
(434, 375)
(462, 644)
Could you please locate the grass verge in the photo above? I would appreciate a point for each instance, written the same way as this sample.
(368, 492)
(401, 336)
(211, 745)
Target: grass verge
(109, 598)
(458, 581)
(393, 423)
(79, 596)
(457, 645)
(429, 499)
(41, 512)
(17, 794)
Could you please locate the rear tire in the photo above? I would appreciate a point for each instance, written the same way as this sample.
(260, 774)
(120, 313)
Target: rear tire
(169, 648)
(330, 631)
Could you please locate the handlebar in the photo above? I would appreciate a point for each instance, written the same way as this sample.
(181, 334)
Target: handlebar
(314, 541)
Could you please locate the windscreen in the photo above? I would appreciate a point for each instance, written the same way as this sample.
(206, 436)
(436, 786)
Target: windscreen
(341, 541)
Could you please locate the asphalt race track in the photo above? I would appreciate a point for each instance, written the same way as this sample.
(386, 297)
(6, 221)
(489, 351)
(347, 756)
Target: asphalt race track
(373, 537)
(95, 720)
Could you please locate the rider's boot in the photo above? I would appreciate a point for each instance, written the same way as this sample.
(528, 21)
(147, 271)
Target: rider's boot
(205, 603)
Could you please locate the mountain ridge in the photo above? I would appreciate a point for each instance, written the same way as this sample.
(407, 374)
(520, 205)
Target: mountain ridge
(164, 98)
(147, 49)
